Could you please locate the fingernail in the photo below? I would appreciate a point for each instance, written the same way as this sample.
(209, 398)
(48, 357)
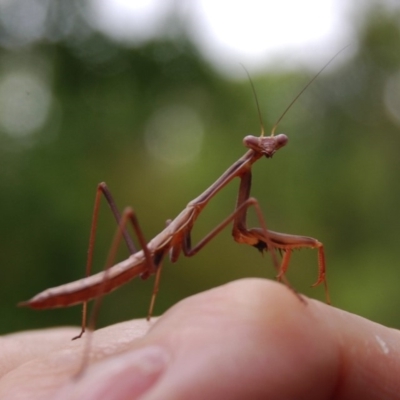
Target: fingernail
(122, 377)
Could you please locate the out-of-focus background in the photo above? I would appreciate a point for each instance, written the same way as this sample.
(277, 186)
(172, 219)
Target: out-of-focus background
(150, 97)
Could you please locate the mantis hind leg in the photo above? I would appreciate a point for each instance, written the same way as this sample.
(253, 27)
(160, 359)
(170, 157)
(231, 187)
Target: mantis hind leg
(128, 215)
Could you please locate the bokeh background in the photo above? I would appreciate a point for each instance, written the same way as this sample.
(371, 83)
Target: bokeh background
(150, 97)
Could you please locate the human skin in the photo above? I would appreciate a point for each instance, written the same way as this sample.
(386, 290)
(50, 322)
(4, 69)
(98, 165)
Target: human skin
(249, 339)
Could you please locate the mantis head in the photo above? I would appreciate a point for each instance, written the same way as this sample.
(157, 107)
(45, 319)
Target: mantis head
(266, 145)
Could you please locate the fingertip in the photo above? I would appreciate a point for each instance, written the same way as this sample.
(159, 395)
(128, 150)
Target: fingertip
(255, 335)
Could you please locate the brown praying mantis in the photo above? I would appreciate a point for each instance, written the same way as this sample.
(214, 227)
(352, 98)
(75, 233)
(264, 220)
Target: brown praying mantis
(176, 237)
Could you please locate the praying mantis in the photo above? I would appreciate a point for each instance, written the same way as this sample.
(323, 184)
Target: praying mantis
(176, 237)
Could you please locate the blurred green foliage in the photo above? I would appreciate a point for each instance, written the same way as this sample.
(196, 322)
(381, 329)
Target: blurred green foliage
(337, 180)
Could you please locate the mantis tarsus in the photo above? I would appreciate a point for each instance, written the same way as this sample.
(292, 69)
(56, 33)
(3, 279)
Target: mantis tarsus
(176, 237)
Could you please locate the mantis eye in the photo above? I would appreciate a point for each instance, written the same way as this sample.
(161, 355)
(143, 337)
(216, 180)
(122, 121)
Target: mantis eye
(281, 140)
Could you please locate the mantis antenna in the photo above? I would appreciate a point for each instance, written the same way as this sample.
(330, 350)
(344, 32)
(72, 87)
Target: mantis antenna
(293, 101)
